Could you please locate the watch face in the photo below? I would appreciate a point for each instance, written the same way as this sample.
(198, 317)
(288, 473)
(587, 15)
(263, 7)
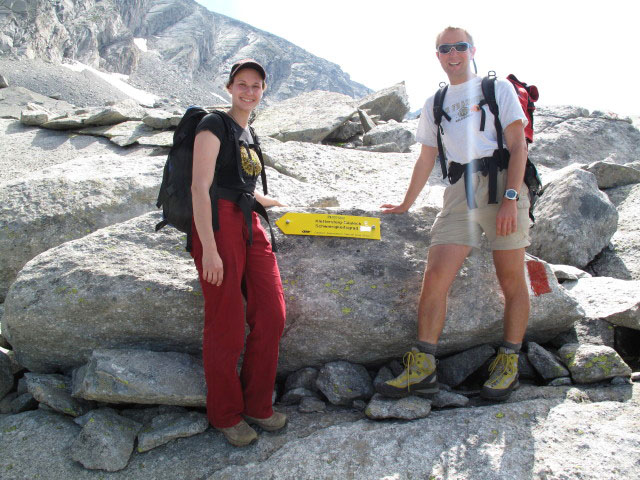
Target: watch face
(511, 194)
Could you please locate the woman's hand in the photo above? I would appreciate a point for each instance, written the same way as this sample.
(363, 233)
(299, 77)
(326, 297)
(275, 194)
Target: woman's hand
(212, 268)
(267, 201)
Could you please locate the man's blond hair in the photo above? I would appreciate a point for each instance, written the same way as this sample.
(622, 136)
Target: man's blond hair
(448, 29)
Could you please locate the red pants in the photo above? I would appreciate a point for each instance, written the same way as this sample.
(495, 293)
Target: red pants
(251, 273)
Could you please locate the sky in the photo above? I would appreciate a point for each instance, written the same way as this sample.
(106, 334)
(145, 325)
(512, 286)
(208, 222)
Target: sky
(573, 51)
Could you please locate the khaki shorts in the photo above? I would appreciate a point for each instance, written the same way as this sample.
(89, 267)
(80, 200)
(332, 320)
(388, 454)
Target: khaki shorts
(457, 224)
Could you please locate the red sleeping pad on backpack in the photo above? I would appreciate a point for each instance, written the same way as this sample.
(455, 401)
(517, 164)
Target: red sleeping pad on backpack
(528, 95)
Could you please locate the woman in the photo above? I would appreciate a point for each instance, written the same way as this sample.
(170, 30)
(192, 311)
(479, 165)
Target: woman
(236, 263)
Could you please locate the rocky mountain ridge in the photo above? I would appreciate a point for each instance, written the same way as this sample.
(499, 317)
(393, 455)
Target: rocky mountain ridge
(175, 49)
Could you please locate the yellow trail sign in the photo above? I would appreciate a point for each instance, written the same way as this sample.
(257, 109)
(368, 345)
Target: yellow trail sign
(329, 225)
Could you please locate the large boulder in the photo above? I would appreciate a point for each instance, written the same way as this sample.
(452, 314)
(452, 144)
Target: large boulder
(574, 220)
(123, 268)
(622, 258)
(390, 104)
(310, 117)
(69, 200)
(402, 134)
(569, 135)
(610, 299)
(126, 286)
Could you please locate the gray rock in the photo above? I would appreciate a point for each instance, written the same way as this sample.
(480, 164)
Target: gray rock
(408, 408)
(347, 130)
(295, 395)
(594, 331)
(444, 399)
(620, 381)
(35, 115)
(5, 402)
(342, 382)
(610, 299)
(525, 369)
(383, 375)
(390, 103)
(455, 369)
(390, 147)
(310, 117)
(574, 221)
(126, 274)
(105, 441)
(135, 376)
(545, 363)
(16, 368)
(170, 426)
(593, 363)
(560, 382)
(141, 415)
(3, 81)
(67, 201)
(159, 291)
(160, 119)
(123, 134)
(635, 376)
(622, 258)
(610, 174)
(123, 111)
(585, 140)
(366, 121)
(311, 405)
(401, 134)
(54, 390)
(303, 378)
(23, 403)
(66, 122)
(6, 375)
(567, 272)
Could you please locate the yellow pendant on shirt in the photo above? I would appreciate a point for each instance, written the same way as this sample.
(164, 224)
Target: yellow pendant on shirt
(250, 162)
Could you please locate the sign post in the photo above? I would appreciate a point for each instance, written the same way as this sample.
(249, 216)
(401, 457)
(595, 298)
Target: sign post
(329, 225)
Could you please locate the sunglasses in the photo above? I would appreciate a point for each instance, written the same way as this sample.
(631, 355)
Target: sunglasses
(459, 47)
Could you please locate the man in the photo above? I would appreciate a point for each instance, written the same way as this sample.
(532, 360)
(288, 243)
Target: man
(466, 213)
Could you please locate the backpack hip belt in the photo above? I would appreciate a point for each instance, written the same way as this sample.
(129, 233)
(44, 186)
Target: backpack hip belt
(486, 166)
(247, 203)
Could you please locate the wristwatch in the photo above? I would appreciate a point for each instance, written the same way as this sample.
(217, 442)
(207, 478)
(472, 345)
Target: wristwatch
(511, 194)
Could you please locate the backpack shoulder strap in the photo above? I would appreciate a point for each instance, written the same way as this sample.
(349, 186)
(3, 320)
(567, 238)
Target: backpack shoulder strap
(263, 173)
(438, 113)
(489, 94)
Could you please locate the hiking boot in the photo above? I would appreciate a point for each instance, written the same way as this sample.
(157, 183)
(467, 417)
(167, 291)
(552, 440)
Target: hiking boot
(240, 435)
(503, 376)
(418, 377)
(271, 424)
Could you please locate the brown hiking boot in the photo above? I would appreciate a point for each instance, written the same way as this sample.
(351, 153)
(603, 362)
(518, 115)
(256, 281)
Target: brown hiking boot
(240, 435)
(274, 422)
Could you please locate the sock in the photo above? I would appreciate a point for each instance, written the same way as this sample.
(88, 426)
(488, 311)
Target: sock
(512, 346)
(426, 347)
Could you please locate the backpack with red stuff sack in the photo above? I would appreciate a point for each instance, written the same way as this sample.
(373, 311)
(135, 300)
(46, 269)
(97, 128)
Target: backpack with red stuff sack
(527, 95)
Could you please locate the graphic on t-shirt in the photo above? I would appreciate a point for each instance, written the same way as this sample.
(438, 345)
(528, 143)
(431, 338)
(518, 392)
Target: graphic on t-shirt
(461, 110)
(250, 161)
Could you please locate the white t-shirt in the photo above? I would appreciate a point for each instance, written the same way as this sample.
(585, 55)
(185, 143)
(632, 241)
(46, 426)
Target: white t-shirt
(462, 139)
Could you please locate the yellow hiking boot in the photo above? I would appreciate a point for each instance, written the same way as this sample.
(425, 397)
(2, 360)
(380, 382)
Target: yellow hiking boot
(418, 377)
(503, 376)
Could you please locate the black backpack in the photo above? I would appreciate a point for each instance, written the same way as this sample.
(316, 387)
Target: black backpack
(527, 96)
(175, 191)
